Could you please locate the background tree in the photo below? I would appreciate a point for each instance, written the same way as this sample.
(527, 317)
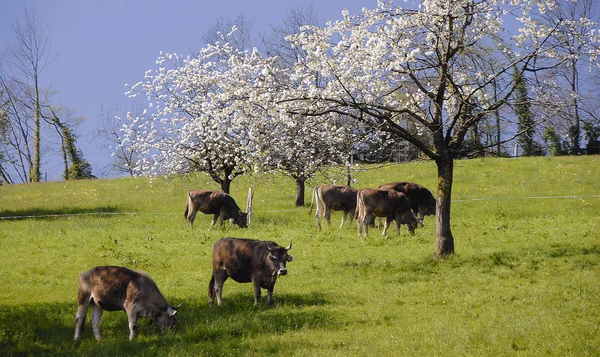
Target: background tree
(443, 49)
(28, 58)
(4, 128)
(300, 147)
(26, 106)
(123, 154)
(240, 39)
(198, 119)
(525, 118)
(572, 21)
(75, 166)
(274, 43)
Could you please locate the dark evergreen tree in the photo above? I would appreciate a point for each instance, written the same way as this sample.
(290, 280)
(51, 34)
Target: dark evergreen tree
(526, 125)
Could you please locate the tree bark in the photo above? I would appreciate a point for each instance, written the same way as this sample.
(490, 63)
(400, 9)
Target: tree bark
(443, 237)
(35, 174)
(300, 192)
(226, 185)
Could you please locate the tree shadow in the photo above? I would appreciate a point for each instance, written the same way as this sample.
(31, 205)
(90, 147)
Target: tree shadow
(46, 213)
(48, 329)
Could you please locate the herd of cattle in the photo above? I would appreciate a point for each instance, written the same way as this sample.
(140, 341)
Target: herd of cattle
(115, 288)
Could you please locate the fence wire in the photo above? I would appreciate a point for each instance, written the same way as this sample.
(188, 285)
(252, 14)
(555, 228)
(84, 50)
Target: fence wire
(274, 211)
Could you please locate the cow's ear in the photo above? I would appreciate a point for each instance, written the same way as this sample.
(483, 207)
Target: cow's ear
(290, 258)
(240, 213)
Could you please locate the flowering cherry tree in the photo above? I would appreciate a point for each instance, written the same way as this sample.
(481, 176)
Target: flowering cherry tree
(214, 113)
(301, 146)
(198, 117)
(426, 74)
(442, 65)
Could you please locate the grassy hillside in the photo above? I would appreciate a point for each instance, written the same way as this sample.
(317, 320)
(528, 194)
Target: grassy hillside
(523, 281)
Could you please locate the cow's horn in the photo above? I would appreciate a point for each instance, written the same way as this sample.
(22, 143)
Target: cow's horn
(289, 246)
(178, 306)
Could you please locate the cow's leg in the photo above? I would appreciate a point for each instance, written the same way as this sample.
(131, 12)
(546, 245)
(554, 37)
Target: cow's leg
(214, 220)
(96, 315)
(220, 277)
(221, 218)
(344, 214)
(365, 223)
(132, 317)
(388, 221)
(270, 296)
(421, 215)
(191, 217)
(328, 216)
(256, 285)
(398, 226)
(80, 318)
(211, 290)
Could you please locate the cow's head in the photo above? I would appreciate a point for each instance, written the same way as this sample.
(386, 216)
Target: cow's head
(242, 219)
(279, 257)
(166, 318)
(411, 221)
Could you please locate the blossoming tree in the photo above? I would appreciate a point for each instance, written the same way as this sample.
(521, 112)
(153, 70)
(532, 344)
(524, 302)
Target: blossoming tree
(197, 119)
(213, 113)
(443, 65)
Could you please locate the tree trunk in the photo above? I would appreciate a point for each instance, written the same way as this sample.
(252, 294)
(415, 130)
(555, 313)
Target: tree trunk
(443, 234)
(226, 185)
(34, 175)
(300, 192)
(576, 128)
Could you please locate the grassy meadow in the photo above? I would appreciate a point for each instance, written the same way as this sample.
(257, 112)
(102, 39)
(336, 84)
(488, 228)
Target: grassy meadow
(525, 279)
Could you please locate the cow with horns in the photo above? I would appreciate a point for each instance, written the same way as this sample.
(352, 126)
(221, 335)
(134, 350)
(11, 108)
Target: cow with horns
(247, 260)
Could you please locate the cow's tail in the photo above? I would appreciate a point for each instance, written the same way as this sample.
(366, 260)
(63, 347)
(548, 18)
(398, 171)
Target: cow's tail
(187, 205)
(312, 200)
(211, 290)
(359, 204)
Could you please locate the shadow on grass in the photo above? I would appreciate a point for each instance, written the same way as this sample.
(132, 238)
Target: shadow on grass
(522, 262)
(47, 329)
(34, 212)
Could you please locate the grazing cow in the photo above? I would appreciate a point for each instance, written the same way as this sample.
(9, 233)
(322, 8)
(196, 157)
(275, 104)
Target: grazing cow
(113, 288)
(217, 203)
(422, 201)
(247, 260)
(333, 198)
(392, 205)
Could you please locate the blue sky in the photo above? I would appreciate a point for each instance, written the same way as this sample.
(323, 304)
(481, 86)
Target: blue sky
(99, 46)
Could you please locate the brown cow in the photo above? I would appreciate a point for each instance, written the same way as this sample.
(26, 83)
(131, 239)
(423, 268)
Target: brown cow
(333, 198)
(217, 203)
(247, 260)
(113, 288)
(422, 201)
(392, 205)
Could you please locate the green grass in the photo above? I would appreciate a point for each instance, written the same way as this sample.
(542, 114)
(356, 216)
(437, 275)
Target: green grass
(523, 281)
